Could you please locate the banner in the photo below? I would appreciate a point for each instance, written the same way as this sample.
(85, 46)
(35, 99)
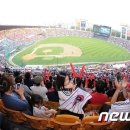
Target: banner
(82, 71)
(76, 101)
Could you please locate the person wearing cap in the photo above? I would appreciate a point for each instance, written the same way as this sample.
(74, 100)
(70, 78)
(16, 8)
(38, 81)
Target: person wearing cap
(39, 87)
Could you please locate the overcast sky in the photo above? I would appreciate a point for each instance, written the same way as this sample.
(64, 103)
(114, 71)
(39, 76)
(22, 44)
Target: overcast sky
(40, 12)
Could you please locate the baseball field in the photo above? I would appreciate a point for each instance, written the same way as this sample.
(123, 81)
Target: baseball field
(63, 50)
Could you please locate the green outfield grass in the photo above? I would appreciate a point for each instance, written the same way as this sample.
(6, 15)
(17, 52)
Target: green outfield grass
(93, 50)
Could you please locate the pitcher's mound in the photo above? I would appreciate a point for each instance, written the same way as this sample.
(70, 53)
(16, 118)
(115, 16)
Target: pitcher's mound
(29, 57)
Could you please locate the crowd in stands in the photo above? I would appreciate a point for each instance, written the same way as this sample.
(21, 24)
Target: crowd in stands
(27, 91)
(16, 89)
(120, 42)
(3, 62)
(23, 35)
(11, 41)
(67, 32)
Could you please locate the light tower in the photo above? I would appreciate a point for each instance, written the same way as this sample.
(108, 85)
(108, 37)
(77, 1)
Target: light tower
(124, 29)
(83, 24)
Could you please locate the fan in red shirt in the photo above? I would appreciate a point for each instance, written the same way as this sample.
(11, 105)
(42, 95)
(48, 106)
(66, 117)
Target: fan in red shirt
(99, 97)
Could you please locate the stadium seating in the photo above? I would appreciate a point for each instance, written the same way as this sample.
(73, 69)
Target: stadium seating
(66, 122)
(11, 39)
(119, 125)
(92, 107)
(15, 116)
(51, 105)
(37, 123)
(1, 106)
(66, 126)
(67, 118)
(91, 122)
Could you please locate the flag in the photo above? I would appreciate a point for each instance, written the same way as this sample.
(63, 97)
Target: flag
(46, 74)
(76, 101)
(77, 75)
(73, 70)
(82, 71)
(49, 74)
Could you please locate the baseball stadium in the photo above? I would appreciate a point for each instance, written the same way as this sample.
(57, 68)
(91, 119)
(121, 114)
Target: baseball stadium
(56, 46)
(64, 65)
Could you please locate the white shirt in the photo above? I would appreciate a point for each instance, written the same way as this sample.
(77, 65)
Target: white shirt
(121, 106)
(40, 90)
(63, 96)
(40, 112)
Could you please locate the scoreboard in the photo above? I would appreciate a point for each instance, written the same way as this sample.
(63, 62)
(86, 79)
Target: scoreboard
(104, 31)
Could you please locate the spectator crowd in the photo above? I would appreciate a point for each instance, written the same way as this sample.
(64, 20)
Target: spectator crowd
(27, 91)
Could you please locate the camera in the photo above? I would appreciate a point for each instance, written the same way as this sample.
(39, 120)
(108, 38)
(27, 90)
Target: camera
(17, 85)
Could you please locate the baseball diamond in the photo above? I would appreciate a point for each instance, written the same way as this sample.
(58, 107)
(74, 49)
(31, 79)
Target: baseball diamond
(66, 49)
